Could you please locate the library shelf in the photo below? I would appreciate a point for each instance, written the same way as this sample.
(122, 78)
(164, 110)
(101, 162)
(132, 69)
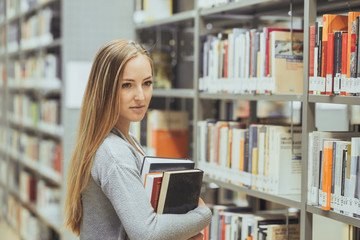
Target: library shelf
(333, 215)
(38, 7)
(48, 130)
(251, 97)
(43, 46)
(286, 200)
(174, 19)
(42, 86)
(336, 99)
(44, 171)
(45, 219)
(231, 7)
(177, 93)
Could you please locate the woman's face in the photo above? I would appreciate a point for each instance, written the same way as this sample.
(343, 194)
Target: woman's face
(136, 90)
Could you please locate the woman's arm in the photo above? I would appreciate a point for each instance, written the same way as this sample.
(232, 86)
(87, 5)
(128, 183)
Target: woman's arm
(127, 195)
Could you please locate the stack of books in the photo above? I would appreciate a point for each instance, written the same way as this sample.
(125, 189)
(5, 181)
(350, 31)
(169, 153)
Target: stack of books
(172, 184)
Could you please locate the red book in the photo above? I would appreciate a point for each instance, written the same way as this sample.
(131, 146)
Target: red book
(344, 58)
(331, 23)
(329, 64)
(267, 31)
(311, 48)
(155, 192)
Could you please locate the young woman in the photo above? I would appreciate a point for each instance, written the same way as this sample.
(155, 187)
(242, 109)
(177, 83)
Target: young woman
(106, 198)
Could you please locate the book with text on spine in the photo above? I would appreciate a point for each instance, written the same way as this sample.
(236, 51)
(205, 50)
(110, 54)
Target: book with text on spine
(180, 191)
(160, 164)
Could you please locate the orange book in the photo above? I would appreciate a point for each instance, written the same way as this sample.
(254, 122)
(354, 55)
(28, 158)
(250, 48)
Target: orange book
(327, 173)
(242, 150)
(219, 126)
(351, 39)
(331, 23)
(169, 133)
(344, 60)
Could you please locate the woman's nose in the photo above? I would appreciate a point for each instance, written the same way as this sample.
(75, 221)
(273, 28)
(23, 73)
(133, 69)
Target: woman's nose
(139, 95)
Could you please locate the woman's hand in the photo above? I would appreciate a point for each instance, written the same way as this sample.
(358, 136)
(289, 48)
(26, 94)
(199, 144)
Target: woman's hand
(199, 236)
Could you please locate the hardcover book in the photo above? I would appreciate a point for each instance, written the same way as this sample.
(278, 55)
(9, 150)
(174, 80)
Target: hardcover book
(158, 164)
(180, 191)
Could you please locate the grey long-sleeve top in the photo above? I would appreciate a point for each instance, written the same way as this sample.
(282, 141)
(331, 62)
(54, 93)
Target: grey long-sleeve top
(115, 205)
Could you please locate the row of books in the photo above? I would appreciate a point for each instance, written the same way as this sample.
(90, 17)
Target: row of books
(3, 170)
(263, 157)
(213, 3)
(151, 10)
(231, 222)
(334, 61)
(164, 133)
(26, 223)
(333, 166)
(238, 57)
(2, 74)
(14, 7)
(35, 72)
(40, 29)
(2, 40)
(44, 155)
(26, 5)
(2, 10)
(34, 113)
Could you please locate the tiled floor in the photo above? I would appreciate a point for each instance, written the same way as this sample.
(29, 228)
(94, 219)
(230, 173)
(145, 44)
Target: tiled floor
(6, 232)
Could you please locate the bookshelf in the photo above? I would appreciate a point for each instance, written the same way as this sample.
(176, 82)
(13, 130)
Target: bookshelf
(248, 14)
(39, 40)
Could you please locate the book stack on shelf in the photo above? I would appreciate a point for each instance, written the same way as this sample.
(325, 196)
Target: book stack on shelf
(2, 39)
(244, 223)
(250, 156)
(40, 29)
(40, 72)
(333, 171)
(13, 38)
(334, 59)
(2, 11)
(151, 10)
(253, 61)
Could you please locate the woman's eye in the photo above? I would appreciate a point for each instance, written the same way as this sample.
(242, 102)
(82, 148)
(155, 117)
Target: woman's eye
(148, 83)
(126, 85)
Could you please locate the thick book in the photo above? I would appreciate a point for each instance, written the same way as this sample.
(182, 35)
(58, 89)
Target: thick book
(180, 191)
(287, 60)
(158, 164)
(351, 29)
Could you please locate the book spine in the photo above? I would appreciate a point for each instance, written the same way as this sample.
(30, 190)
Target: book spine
(337, 62)
(344, 64)
(330, 64)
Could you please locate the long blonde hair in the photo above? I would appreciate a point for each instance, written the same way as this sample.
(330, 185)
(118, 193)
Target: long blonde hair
(99, 113)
